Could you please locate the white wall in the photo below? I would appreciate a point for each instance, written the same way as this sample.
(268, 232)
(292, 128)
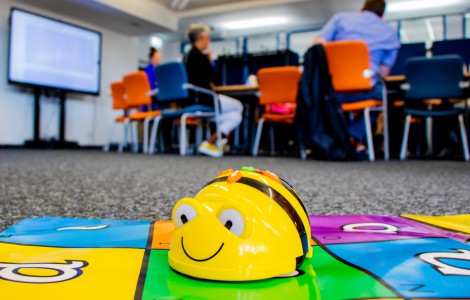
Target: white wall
(171, 51)
(88, 118)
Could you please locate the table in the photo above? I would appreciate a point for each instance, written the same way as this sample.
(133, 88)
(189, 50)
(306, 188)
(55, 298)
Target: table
(247, 89)
(401, 78)
(248, 95)
(238, 88)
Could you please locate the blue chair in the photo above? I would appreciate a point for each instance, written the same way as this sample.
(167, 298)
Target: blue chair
(173, 86)
(437, 77)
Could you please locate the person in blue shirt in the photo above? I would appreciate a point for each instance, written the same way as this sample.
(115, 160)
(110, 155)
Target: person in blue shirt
(155, 58)
(383, 43)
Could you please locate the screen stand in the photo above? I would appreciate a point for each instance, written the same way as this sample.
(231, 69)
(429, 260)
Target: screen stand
(36, 142)
(62, 143)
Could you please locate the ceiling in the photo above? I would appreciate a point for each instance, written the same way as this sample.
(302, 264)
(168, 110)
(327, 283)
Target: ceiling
(194, 4)
(143, 17)
(100, 14)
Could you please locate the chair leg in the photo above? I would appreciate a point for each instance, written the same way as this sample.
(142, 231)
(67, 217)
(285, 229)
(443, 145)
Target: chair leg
(123, 140)
(135, 137)
(272, 142)
(219, 138)
(161, 141)
(146, 133)
(153, 135)
(199, 134)
(463, 134)
(386, 135)
(110, 137)
(183, 135)
(385, 122)
(303, 154)
(370, 142)
(404, 144)
(236, 138)
(257, 137)
(429, 136)
(208, 132)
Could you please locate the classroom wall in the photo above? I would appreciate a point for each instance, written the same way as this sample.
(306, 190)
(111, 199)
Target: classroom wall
(88, 118)
(171, 51)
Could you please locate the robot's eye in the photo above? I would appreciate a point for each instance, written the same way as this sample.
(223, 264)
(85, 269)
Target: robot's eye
(183, 214)
(233, 221)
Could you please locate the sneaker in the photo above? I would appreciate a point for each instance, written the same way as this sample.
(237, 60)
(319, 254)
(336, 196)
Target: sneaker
(209, 149)
(225, 145)
(361, 148)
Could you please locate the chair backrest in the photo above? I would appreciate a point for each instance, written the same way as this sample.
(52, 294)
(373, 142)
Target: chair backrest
(405, 52)
(137, 88)
(453, 47)
(171, 78)
(435, 77)
(278, 85)
(349, 65)
(118, 92)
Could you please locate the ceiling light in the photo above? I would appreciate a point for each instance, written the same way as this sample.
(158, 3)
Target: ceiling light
(156, 42)
(404, 6)
(179, 4)
(243, 24)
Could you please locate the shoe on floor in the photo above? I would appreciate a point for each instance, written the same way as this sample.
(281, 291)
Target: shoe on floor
(361, 148)
(225, 145)
(209, 149)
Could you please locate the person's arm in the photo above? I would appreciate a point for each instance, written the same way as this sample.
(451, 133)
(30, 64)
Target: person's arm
(319, 40)
(389, 56)
(328, 31)
(388, 60)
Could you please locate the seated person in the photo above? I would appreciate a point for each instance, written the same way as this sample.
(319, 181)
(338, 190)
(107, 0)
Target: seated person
(154, 60)
(383, 44)
(201, 74)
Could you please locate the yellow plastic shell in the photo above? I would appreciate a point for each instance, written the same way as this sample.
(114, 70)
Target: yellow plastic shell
(234, 232)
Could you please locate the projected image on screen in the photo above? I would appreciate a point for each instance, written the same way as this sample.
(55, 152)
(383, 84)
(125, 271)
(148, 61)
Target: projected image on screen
(49, 53)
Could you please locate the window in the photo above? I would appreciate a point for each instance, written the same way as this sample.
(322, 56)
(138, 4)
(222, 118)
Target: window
(220, 48)
(262, 43)
(421, 30)
(300, 42)
(454, 27)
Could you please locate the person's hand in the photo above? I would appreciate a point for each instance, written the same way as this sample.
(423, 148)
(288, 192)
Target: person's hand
(384, 70)
(319, 40)
(209, 54)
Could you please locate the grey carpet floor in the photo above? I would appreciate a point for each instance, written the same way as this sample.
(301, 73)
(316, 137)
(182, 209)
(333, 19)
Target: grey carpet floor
(91, 184)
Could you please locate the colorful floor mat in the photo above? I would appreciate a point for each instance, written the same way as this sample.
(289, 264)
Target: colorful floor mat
(355, 257)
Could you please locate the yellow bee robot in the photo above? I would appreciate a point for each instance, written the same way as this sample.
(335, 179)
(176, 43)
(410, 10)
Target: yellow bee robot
(243, 225)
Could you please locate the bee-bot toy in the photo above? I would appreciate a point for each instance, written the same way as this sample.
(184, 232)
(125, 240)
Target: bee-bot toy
(247, 224)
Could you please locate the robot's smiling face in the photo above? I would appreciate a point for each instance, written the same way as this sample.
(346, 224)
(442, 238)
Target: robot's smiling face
(203, 234)
(240, 226)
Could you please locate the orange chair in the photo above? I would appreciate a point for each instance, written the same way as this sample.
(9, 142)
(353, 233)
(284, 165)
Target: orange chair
(138, 93)
(118, 95)
(348, 62)
(277, 85)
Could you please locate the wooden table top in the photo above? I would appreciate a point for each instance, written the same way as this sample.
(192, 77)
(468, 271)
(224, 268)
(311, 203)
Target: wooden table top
(397, 78)
(254, 88)
(235, 88)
